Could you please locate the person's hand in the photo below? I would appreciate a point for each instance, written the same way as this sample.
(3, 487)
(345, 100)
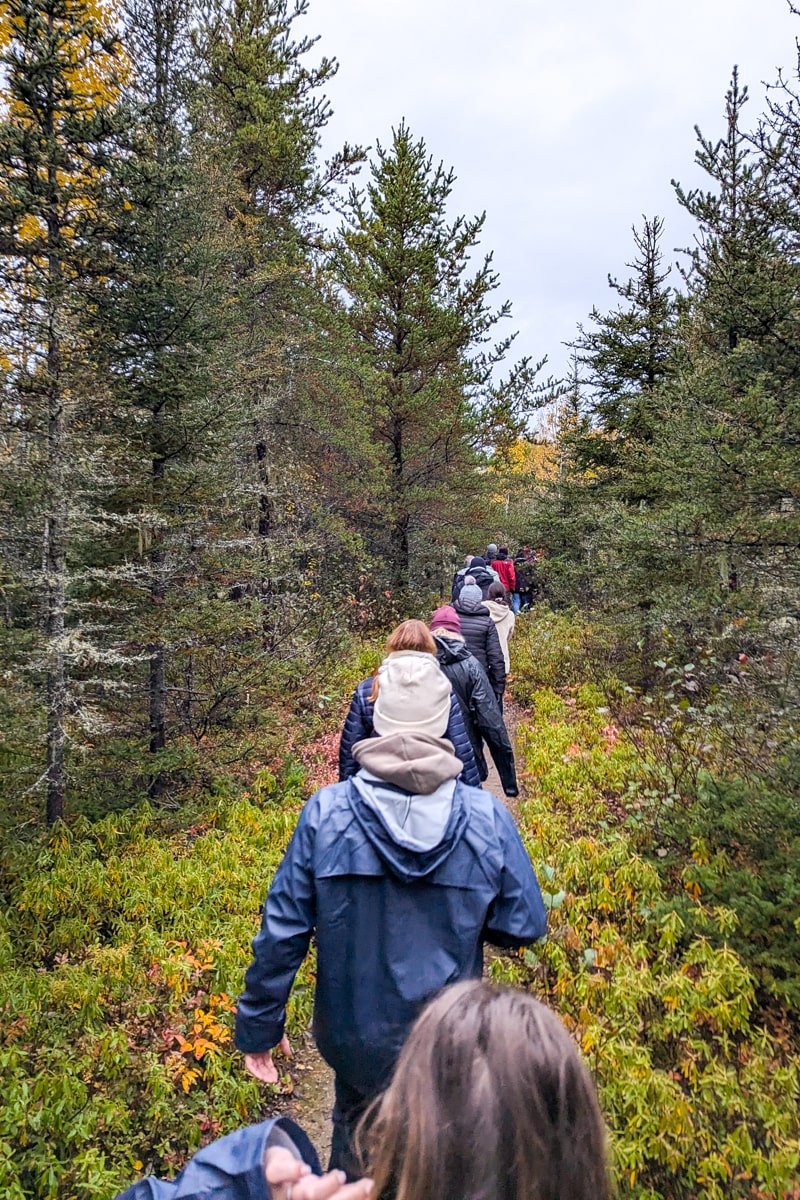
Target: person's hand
(261, 1065)
(291, 1179)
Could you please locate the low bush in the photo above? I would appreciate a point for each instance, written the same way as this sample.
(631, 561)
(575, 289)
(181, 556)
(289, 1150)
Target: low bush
(744, 839)
(122, 950)
(700, 1093)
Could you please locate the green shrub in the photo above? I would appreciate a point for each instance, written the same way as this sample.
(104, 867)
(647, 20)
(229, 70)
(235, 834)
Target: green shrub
(701, 1098)
(555, 650)
(122, 948)
(745, 843)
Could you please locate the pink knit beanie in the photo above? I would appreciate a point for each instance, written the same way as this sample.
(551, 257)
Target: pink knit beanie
(446, 617)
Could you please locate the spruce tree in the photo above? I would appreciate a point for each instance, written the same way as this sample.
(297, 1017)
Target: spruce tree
(168, 327)
(61, 67)
(625, 359)
(419, 323)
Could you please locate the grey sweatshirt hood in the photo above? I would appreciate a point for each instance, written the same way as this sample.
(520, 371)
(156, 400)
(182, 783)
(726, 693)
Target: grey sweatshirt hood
(408, 781)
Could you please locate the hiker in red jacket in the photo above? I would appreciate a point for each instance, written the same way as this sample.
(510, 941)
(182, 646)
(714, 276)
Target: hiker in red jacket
(505, 569)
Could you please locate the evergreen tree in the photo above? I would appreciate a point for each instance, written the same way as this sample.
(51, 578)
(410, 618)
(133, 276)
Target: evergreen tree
(168, 327)
(418, 322)
(267, 109)
(61, 62)
(626, 359)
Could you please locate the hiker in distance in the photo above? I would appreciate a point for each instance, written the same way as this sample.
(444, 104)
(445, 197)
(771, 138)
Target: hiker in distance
(479, 707)
(489, 1099)
(403, 873)
(481, 637)
(497, 605)
(478, 573)
(504, 566)
(410, 637)
(458, 578)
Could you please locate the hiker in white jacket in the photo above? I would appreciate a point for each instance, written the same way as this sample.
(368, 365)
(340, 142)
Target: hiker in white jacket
(503, 617)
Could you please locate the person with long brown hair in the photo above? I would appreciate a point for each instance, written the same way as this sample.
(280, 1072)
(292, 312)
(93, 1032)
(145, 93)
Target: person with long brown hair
(408, 638)
(489, 1100)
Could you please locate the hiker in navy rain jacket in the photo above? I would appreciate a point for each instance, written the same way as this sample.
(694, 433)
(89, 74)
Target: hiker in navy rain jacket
(403, 873)
(231, 1167)
(358, 725)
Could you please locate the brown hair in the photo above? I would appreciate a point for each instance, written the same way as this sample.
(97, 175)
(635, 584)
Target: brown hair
(496, 592)
(408, 635)
(489, 1101)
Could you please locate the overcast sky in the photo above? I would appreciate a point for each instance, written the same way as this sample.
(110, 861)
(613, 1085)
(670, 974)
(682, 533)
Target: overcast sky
(564, 121)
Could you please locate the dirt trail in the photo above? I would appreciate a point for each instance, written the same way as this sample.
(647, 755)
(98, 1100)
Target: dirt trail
(311, 1103)
(512, 714)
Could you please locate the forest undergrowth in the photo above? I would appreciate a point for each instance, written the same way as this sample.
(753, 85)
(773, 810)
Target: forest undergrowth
(125, 939)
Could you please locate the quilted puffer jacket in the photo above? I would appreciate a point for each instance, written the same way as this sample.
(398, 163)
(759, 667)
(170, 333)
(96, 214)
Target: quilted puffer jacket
(358, 725)
(479, 709)
(481, 640)
(395, 921)
(231, 1168)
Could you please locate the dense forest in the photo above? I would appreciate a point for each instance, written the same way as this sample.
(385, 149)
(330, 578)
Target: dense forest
(255, 407)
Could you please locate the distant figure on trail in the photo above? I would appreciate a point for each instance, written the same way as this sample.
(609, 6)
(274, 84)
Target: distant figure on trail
(479, 707)
(479, 574)
(403, 873)
(458, 578)
(490, 553)
(481, 637)
(410, 637)
(504, 567)
(489, 1099)
(504, 620)
(524, 569)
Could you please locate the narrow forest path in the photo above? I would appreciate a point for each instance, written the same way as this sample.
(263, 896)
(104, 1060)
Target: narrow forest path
(311, 1102)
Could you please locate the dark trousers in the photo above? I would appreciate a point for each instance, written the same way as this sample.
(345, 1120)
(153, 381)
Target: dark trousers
(348, 1108)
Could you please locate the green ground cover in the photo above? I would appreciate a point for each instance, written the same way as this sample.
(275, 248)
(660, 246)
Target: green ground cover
(124, 941)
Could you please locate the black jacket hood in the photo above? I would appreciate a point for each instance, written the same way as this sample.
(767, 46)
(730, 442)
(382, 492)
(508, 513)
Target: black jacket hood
(450, 650)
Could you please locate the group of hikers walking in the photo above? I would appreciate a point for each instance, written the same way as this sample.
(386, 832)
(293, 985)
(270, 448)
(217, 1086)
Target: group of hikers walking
(445, 1088)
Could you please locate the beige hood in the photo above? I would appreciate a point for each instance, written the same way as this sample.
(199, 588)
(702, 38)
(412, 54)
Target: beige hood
(416, 762)
(499, 612)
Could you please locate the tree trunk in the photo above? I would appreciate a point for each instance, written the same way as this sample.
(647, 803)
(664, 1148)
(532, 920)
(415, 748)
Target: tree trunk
(158, 592)
(401, 559)
(54, 559)
(54, 556)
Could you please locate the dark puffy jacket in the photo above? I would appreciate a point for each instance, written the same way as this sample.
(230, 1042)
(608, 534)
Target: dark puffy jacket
(479, 708)
(232, 1168)
(358, 725)
(482, 577)
(481, 640)
(393, 925)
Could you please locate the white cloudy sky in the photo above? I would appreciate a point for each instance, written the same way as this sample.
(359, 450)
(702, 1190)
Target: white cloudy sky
(564, 121)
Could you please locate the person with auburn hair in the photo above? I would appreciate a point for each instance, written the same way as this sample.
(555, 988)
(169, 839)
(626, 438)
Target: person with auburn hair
(410, 637)
(489, 1100)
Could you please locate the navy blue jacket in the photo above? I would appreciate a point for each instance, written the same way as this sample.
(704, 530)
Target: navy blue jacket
(232, 1168)
(393, 925)
(358, 725)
